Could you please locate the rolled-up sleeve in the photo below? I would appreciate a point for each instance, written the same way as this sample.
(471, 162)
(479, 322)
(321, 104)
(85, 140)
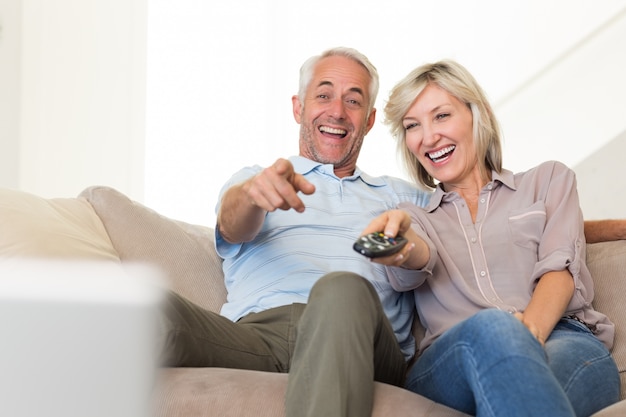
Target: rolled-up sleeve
(561, 247)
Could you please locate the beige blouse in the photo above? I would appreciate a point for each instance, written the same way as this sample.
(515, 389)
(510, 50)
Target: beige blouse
(527, 224)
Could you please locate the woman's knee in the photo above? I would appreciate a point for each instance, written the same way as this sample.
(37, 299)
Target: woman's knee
(499, 330)
(491, 321)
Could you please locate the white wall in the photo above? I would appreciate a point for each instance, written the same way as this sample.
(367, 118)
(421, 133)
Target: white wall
(76, 97)
(576, 104)
(221, 75)
(601, 181)
(10, 93)
(575, 111)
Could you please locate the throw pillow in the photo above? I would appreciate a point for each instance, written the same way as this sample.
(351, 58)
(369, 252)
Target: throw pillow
(65, 228)
(183, 251)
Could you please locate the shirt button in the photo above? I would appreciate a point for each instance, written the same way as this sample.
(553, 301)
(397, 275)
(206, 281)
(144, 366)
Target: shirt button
(473, 240)
(483, 273)
(482, 200)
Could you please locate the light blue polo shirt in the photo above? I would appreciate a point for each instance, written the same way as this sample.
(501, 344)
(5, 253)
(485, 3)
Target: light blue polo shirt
(293, 250)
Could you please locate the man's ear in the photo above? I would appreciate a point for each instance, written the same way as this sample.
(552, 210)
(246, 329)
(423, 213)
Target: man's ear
(370, 120)
(297, 108)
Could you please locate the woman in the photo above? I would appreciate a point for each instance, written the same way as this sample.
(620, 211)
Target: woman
(497, 261)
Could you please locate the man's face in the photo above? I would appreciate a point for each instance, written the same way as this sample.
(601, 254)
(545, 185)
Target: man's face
(334, 115)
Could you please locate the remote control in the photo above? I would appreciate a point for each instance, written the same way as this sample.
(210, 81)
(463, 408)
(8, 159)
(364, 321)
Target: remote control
(376, 245)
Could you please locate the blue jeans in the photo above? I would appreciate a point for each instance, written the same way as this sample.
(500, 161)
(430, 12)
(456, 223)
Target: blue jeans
(491, 365)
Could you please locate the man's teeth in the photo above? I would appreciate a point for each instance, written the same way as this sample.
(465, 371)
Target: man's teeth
(332, 130)
(442, 153)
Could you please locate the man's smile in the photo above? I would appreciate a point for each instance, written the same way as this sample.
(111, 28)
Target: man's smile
(339, 133)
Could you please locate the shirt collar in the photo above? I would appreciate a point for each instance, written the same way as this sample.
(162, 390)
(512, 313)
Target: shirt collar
(506, 178)
(304, 165)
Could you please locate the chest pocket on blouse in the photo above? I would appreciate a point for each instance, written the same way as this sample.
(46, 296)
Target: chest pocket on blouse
(526, 225)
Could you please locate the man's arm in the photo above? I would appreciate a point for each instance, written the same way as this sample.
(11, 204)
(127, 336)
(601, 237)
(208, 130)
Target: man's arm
(244, 206)
(605, 230)
(239, 219)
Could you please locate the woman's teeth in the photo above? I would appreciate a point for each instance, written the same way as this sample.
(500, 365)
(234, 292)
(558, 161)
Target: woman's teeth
(441, 154)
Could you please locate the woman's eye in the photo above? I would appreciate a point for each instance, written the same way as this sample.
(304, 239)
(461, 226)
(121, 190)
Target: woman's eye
(409, 126)
(442, 116)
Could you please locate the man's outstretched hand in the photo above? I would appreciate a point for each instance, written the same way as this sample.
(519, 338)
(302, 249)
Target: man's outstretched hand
(277, 187)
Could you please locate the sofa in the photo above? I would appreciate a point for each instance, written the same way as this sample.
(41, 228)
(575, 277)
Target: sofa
(104, 225)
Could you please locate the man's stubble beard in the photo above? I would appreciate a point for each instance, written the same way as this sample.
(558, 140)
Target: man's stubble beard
(309, 149)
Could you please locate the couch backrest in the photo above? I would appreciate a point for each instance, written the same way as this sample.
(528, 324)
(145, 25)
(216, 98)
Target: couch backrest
(607, 263)
(104, 224)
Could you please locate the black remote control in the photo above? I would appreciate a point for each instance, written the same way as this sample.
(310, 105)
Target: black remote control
(376, 245)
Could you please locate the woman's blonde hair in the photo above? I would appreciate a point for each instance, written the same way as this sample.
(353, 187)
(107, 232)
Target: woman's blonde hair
(457, 81)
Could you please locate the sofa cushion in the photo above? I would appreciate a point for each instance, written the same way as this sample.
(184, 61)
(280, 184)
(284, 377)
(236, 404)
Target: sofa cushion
(607, 264)
(183, 252)
(185, 392)
(67, 228)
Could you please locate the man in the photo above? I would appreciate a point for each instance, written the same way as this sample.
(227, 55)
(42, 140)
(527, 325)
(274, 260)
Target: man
(285, 233)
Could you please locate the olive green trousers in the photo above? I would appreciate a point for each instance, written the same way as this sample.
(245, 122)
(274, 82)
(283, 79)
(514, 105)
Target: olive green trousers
(334, 347)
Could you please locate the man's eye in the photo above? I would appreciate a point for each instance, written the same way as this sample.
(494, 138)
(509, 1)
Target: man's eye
(353, 103)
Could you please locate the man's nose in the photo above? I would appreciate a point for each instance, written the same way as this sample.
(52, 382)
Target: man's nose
(337, 108)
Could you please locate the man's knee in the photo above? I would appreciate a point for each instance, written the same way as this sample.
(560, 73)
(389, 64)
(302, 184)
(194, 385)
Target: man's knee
(343, 285)
(343, 294)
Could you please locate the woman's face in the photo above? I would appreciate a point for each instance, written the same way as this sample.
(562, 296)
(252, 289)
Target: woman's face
(439, 133)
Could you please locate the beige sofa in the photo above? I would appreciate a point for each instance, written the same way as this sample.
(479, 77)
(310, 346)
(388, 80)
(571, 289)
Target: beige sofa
(103, 224)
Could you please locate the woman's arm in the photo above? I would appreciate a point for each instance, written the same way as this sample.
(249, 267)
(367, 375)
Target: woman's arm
(604, 230)
(548, 303)
(415, 254)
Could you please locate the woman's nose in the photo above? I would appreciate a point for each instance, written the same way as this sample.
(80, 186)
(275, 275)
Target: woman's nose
(431, 136)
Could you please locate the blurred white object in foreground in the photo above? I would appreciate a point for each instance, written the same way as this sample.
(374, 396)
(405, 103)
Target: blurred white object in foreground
(78, 339)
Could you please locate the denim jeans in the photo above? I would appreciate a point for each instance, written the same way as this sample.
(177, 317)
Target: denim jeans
(490, 365)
